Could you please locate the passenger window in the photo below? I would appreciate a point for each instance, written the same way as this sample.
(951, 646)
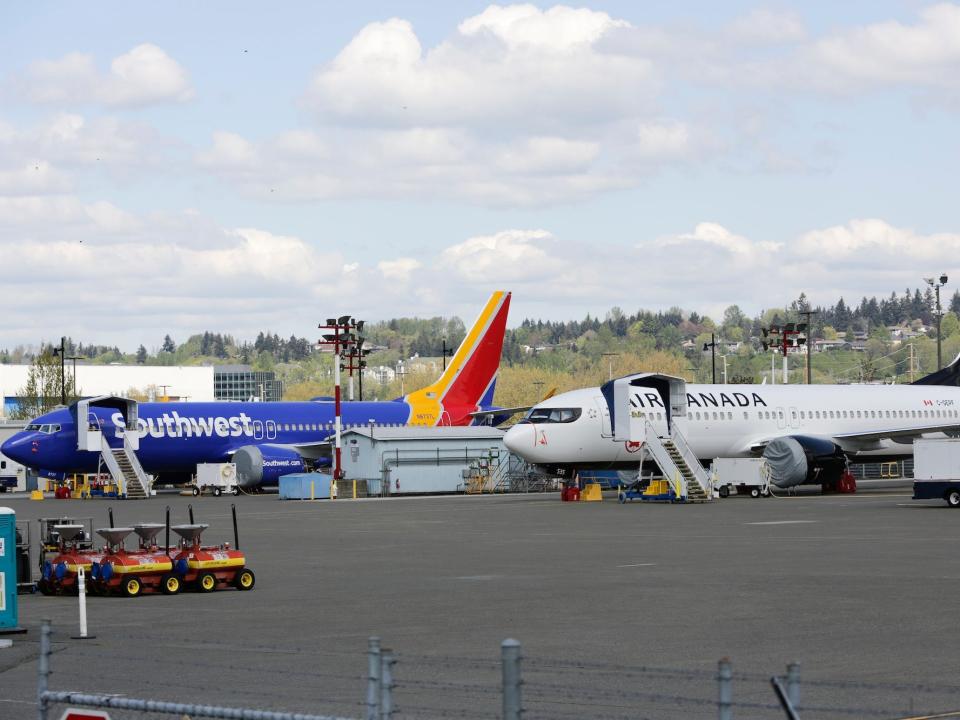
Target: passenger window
(745, 415)
(714, 416)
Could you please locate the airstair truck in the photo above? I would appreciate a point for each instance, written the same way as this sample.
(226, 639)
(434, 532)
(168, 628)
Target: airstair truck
(936, 470)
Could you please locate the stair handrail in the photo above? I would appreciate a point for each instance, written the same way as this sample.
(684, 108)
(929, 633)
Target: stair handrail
(138, 470)
(668, 467)
(106, 452)
(686, 452)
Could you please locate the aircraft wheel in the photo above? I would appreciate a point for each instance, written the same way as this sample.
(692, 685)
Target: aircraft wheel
(245, 580)
(953, 498)
(765, 492)
(196, 491)
(622, 497)
(724, 491)
(207, 582)
(132, 586)
(217, 492)
(170, 584)
(754, 492)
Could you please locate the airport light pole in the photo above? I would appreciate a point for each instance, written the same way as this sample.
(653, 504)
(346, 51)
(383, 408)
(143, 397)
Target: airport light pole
(342, 339)
(936, 284)
(610, 356)
(809, 327)
(447, 352)
(713, 354)
(62, 352)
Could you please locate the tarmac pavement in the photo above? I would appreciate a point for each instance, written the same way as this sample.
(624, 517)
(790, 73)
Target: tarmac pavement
(622, 610)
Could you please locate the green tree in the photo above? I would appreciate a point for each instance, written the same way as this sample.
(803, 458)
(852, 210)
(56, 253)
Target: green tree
(141, 355)
(42, 391)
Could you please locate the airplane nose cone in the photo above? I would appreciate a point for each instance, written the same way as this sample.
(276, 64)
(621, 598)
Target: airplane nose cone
(520, 439)
(17, 449)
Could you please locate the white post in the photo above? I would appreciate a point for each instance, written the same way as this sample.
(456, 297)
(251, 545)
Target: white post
(351, 386)
(786, 378)
(82, 597)
(773, 368)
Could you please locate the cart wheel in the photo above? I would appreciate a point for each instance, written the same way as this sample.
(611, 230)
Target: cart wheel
(244, 580)
(953, 500)
(236, 490)
(132, 586)
(724, 491)
(622, 498)
(46, 588)
(754, 492)
(196, 491)
(170, 584)
(207, 582)
(217, 492)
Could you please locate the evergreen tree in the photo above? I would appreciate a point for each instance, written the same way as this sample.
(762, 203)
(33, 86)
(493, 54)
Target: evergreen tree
(141, 355)
(168, 345)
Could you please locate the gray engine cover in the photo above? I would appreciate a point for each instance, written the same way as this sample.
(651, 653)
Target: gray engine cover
(787, 462)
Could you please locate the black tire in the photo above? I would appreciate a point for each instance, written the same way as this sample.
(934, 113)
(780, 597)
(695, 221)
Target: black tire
(236, 490)
(754, 492)
(131, 586)
(217, 492)
(170, 584)
(724, 491)
(46, 588)
(245, 579)
(953, 497)
(206, 582)
(195, 491)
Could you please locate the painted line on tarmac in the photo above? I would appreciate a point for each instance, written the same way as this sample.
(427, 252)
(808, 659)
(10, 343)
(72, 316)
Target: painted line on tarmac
(783, 522)
(637, 565)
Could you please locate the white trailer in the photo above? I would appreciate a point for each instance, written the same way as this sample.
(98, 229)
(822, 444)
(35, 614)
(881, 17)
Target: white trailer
(748, 476)
(936, 470)
(217, 478)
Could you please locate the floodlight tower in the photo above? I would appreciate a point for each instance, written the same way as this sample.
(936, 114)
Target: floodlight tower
(342, 340)
(936, 284)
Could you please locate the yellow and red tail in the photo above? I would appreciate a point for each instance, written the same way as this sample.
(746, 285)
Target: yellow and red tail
(468, 381)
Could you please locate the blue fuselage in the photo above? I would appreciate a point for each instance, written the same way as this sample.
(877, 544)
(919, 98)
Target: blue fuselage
(175, 437)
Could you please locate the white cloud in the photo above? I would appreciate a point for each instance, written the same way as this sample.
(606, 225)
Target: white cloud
(765, 26)
(400, 269)
(507, 64)
(145, 75)
(509, 255)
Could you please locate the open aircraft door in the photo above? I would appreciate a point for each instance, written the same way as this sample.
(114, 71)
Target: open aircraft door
(628, 420)
(90, 430)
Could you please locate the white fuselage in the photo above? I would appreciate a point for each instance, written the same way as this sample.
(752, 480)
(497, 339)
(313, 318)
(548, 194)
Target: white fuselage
(732, 420)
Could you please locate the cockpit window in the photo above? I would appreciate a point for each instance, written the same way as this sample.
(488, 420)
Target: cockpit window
(553, 415)
(47, 429)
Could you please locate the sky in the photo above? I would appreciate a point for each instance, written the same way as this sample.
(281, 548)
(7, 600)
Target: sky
(169, 168)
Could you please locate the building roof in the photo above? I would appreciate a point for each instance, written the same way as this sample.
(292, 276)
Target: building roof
(471, 432)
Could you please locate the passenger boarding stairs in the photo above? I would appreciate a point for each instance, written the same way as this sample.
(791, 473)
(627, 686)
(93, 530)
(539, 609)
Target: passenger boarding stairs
(679, 465)
(125, 468)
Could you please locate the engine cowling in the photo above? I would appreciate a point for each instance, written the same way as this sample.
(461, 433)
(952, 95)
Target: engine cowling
(264, 464)
(801, 460)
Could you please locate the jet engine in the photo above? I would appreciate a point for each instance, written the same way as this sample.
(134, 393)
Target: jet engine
(264, 464)
(802, 460)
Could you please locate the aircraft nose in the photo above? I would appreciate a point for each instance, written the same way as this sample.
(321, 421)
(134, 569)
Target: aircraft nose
(520, 439)
(17, 448)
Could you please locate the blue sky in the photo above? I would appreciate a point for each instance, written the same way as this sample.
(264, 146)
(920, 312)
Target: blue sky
(233, 167)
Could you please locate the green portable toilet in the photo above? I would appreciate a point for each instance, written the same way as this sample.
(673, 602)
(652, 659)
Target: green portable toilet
(8, 571)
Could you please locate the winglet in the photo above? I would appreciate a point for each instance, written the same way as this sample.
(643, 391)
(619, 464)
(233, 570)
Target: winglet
(950, 375)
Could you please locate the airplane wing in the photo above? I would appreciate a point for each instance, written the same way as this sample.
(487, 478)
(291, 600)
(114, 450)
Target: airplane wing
(310, 450)
(513, 410)
(869, 440)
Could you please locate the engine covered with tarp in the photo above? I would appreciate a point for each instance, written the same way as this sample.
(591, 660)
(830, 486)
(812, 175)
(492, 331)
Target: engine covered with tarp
(802, 460)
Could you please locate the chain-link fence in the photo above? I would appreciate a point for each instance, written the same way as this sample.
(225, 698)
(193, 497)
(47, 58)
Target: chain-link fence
(395, 684)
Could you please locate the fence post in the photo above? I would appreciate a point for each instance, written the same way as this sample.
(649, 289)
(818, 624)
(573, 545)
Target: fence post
(512, 681)
(373, 678)
(386, 684)
(793, 684)
(725, 682)
(43, 669)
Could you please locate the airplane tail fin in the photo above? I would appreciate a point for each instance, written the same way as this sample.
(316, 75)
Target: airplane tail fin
(950, 375)
(471, 373)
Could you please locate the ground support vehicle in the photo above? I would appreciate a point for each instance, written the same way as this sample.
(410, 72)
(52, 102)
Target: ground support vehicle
(130, 573)
(58, 574)
(648, 490)
(745, 476)
(206, 568)
(936, 470)
(217, 478)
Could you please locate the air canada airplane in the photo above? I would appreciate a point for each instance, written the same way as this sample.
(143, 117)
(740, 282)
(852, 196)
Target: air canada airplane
(810, 430)
(267, 439)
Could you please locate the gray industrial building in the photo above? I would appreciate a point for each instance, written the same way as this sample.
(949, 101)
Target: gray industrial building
(419, 459)
(241, 382)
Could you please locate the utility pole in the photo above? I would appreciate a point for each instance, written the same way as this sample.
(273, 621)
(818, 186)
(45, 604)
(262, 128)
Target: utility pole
(936, 286)
(610, 356)
(809, 328)
(62, 352)
(713, 354)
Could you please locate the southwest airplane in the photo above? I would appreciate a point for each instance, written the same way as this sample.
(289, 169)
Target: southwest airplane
(268, 439)
(806, 432)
